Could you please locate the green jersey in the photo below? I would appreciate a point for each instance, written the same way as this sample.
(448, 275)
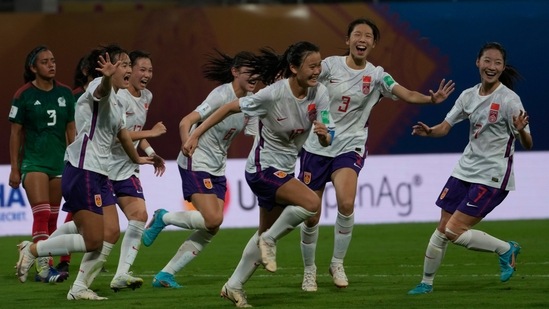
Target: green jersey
(44, 116)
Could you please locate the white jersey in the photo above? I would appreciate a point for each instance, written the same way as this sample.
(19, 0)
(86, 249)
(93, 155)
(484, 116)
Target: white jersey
(121, 167)
(284, 124)
(488, 158)
(211, 154)
(98, 121)
(353, 94)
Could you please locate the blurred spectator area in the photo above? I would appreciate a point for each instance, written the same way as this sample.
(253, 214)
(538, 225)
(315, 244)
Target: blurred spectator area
(55, 6)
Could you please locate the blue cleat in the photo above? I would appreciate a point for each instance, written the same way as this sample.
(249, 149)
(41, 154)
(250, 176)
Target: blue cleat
(422, 288)
(155, 227)
(165, 280)
(53, 276)
(507, 261)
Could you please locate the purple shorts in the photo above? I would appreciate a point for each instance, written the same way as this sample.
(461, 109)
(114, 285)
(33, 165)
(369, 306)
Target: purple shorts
(202, 183)
(472, 199)
(85, 190)
(128, 187)
(316, 170)
(264, 185)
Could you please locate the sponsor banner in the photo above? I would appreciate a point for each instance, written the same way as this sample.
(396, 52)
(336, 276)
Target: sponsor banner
(391, 189)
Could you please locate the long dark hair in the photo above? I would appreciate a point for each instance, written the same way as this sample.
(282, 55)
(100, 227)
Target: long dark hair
(30, 61)
(114, 52)
(272, 65)
(81, 72)
(218, 67)
(510, 75)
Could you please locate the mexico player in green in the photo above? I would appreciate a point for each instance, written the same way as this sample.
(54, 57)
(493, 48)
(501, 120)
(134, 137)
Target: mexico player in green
(42, 124)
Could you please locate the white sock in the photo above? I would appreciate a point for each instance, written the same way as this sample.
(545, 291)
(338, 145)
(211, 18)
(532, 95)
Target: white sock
(66, 228)
(480, 241)
(309, 238)
(290, 217)
(130, 246)
(343, 232)
(250, 260)
(433, 256)
(61, 245)
(91, 265)
(188, 251)
(190, 220)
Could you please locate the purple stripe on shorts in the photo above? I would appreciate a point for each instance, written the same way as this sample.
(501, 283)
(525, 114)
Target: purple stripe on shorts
(88, 189)
(507, 173)
(189, 163)
(94, 118)
(258, 148)
(83, 152)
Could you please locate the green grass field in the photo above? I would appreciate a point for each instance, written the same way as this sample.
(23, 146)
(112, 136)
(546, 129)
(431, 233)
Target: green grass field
(383, 263)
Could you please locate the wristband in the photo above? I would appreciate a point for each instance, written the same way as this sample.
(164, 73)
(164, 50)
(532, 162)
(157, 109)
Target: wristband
(149, 151)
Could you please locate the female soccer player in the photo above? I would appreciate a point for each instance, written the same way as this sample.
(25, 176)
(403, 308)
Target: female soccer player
(484, 175)
(288, 110)
(355, 86)
(203, 175)
(42, 117)
(85, 186)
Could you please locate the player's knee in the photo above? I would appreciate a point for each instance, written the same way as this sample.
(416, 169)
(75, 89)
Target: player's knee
(451, 235)
(346, 207)
(311, 202)
(214, 222)
(112, 234)
(93, 244)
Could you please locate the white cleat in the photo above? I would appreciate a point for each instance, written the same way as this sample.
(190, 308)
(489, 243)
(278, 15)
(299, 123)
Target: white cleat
(125, 281)
(309, 279)
(26, 260)
(268, 254)
(338, 275)
(84, 294)
(237, 296)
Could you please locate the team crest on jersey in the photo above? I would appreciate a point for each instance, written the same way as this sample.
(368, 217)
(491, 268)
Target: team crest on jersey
(98, 200)
(366, 81)
(307, 177)
(443, 194)
(311, 111)
(280, 174)
(494, 110)
(62, 102)
(208, 183)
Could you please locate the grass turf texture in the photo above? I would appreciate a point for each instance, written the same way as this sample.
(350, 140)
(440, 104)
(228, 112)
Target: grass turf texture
(383, 263)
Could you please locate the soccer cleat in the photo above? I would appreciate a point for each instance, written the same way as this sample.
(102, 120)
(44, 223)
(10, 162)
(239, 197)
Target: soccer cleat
(124, 281)
(507, 261)
(309, 279)
(422, 288)
(84, 294)
(268, 254)
(51, 276)
(338, 275)
(237, 296)
(165, 280)
(63, 266)
(155, 227)
(26, 260)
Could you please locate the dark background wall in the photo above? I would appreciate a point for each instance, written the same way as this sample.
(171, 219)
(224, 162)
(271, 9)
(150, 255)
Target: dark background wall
(422, 42)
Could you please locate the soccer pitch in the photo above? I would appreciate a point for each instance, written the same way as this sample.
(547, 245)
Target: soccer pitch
(383, 263)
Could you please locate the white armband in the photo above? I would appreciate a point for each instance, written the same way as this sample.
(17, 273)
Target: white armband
(149, 151)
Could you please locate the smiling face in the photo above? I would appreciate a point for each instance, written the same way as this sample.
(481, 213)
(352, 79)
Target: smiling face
(121, 78)
(142, 73)
(44, 66)
(307, 74)
(490, 65)
(361, 41)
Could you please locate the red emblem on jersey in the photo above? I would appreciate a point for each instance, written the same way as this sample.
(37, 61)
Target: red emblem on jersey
(98, 200)
(311, 110)
(280, 174)
(366, 81)
(208, 183)
(494, 110)
(307, 178)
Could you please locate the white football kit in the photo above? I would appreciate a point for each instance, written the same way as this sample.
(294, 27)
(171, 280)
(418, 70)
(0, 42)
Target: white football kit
(211, 154)
(284, 124)
(121, 167)
(353, 94)
(98, 121)
(488, 158)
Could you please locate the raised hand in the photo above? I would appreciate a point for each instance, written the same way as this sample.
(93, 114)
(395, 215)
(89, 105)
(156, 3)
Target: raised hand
(158, 129)
(421, 129)
(443, 92)
(521, 121)
(106, 67)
